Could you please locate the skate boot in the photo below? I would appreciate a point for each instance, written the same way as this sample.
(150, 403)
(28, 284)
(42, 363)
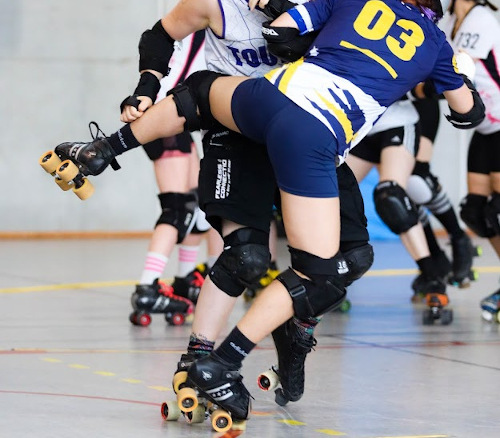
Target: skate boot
(158, 298)
(491, 307)
(189, 286)
(419, 284)
(463, 252)
(292, 346)
(71, 163)
(218, 386)
(437, 302)
(252, 290)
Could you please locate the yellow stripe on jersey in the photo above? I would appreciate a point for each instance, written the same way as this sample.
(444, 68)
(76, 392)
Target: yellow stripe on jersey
(371, 55)
(341, 117)
(287, 76)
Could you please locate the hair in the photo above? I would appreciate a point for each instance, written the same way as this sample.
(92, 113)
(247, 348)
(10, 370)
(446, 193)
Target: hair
(479, 2)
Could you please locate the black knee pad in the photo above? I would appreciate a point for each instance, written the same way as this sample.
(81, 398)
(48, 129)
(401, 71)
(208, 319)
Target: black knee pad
(324, 291)
(192, 96)
(178, 210)
(244, 260)
(492, 212)
(359, 260)
(395, 207)
(473, 213)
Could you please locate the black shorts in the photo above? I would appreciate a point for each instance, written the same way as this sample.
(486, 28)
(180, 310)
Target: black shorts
(484, 153)
(370, 148)
(236, 180)
(428, 111)
(180, 142)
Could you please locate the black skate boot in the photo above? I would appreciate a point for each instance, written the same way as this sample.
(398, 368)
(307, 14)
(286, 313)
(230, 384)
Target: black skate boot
(221, 384)
(463, 252)
(292, 346)
(252, 290)
(491, 307)
(158, 298)
(420, 283)
(189, 286)
(437, 302)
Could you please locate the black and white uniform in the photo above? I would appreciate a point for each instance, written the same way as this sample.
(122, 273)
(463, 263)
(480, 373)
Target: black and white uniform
(479, 36)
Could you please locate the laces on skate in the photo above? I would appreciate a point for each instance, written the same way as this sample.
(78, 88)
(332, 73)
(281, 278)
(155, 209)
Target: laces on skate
(95, 130)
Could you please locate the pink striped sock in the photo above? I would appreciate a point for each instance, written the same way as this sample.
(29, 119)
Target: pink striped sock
(188, 255)
(153, 267)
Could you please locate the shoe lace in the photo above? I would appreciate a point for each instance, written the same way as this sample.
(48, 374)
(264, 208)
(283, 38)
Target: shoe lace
(301, 347)
(97, 133)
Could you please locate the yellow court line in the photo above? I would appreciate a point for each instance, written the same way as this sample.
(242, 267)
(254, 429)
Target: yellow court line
(99, 284)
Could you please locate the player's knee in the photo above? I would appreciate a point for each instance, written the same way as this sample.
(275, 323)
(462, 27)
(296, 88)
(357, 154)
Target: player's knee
(244, 261)
(423, 186)
(178, 210)
(324, 291)
(359, 260)
(492, 212)
(395, 207)
(192, 99)
(473, 213)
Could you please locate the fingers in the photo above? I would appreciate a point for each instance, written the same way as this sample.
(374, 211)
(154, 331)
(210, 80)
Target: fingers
(253, 3)
(131, 113)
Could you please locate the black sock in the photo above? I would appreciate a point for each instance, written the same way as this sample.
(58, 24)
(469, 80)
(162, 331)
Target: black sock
(427, 267)
(235, 348)
(432, 243)
(123, 140)
(450, 222)
(198, 346)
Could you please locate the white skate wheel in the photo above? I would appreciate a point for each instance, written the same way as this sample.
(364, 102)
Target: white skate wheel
(487, 316)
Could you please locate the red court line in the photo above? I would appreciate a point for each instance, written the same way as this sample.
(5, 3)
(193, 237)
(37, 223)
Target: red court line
(88, 397)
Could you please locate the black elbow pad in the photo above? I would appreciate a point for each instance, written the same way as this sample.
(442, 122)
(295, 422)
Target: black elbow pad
(156, 47)
(275, 8)
(472, 118)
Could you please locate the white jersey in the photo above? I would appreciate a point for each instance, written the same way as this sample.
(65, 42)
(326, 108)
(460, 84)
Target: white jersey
(241, 49)
(400, 113)
(479, 36)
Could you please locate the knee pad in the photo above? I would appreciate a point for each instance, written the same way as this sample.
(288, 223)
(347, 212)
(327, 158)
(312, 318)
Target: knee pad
(473, 213)
(324, 291)
(244, 260)
(178, 210)
(192, 96)
(201, 225)
(359, 260)
(423, 186)
(492, 213)
(394, 207)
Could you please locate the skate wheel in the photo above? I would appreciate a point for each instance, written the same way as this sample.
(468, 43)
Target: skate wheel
(63, 185)
(239, 425)
(427, 317)
(67, 170)
(478, 251)
(487, 316)
(345, 306)
(170, 411)
(280, 397)
(474, 275)
(178, 379)
(196, 416)
(268, 381)
(176, 319)
(187, 399)
(85, 191)
(142, 319)
(446, 316)
(221, 420)
(49, 161)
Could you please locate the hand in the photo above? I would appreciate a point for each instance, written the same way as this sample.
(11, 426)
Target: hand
(131, 113)
(261, 3)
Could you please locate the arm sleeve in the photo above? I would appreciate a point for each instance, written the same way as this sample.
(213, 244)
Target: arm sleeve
(445, 76)
(312, 15)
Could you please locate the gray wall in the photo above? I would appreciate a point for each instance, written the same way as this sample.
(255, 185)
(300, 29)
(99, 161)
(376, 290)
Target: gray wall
(64, 63)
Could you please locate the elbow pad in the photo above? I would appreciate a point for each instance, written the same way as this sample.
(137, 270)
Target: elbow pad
(156, 47)
(472, 118)
(285, 42)
(275, 8)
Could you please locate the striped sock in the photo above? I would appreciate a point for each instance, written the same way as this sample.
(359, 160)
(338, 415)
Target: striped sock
(187, 259)
(153, 267)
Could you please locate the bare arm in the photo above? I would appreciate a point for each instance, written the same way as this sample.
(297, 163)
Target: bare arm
(460, 100)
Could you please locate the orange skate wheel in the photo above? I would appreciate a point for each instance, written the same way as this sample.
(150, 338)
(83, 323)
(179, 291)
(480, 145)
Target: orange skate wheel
(221, 420)
(63, 185)
(85, 191)
(437, 300)
(178, 379)
(187, 399)
(49, 162)
(196, 416)
(67, 170)
(170, 411)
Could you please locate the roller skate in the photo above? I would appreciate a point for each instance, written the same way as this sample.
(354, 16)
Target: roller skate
(437, 302)
(252, 291)
(463, 252)
(292, 346)
(159, 298)
(419, 284)
(189, 286)
(491, 307)
(71, 163)
(209, 387)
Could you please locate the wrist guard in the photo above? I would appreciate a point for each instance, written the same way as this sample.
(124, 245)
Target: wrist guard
(156, 47)
(149, 85)
(285, 42)
(275, 8)
(472, 118)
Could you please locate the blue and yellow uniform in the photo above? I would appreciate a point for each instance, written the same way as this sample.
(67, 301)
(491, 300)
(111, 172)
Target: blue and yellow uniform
(366, 56)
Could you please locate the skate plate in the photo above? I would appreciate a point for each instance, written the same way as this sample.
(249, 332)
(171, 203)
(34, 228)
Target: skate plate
(437, 310)
(67, 174)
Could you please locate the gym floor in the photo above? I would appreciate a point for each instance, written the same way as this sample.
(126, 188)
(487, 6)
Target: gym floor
(72, 365)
